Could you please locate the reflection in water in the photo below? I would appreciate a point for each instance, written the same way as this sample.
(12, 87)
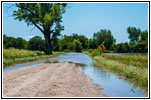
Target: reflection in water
(112, 84)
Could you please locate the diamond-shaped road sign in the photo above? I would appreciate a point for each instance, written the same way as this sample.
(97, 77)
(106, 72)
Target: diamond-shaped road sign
(101, 47)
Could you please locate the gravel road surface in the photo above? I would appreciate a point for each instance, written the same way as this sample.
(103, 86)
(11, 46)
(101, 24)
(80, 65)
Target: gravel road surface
(49, 80)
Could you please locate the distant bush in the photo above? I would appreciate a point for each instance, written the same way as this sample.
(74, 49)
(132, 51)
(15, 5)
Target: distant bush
(95, 52)
(11, 42)
(77, 46)
(70, 47)
(67, 50)
(37, 43)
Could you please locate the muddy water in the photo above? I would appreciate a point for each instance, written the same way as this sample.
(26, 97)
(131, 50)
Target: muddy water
(112, 84)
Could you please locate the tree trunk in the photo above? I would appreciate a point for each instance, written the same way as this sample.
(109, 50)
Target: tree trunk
(48, 43)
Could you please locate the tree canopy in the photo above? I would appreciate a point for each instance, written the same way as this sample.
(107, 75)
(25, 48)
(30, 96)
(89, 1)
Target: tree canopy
(36, 43)
(11, 42)
(134, 34)
(67, 41)
(105, 37)
(45, 16)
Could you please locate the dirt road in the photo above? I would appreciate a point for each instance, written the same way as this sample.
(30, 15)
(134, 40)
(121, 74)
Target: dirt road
(49, 80)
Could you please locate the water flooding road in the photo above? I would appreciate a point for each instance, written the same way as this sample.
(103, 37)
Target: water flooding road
(112, 84)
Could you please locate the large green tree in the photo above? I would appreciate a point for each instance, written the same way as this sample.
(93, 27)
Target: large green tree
(134, 34)
(104, 37)
(45, 16)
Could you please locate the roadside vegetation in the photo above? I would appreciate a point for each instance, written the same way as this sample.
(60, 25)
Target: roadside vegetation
(135, 60)
(14, 56)
(20, 53)
(132, 68)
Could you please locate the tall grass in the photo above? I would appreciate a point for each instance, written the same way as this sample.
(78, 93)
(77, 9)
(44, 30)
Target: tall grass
(16, 53)
(15, 56)
(137, 75)
(95, 52)
(135, 60)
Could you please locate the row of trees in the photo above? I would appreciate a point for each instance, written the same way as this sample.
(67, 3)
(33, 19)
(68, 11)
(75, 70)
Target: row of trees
(138, 42)
(71, 43)
(35, 43)
(47, 17)
(18, 43)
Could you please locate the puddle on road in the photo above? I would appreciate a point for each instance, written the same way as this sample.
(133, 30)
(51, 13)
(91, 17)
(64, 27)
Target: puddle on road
(77, 64)
(113, 85)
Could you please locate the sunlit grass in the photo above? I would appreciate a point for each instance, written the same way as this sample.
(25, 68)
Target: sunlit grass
(135, 60)
(134, 74)
(16, 53)
(16, 56)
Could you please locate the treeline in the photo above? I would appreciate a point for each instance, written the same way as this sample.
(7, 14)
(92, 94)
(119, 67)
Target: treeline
(138, 42)
(74, 42)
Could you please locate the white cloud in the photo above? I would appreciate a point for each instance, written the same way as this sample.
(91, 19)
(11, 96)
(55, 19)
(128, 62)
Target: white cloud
(30, 36)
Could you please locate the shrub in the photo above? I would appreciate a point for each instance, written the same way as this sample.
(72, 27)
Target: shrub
(77, 46)
(95, 52)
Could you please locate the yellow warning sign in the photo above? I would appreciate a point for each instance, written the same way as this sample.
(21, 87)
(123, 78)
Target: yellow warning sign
(101, 47)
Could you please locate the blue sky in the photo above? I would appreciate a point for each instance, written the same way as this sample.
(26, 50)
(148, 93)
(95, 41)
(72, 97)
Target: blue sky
(86, 19)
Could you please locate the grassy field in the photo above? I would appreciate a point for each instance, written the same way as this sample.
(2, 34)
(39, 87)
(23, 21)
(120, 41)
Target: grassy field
(132, 68)
(15, 56)
(135, 60)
